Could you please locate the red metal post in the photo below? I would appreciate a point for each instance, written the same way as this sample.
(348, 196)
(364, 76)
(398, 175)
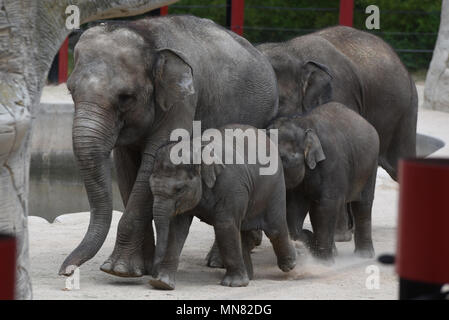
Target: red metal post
(63, 61)
(423, 246)
(237, 16)
(164, 11)
(346, 12)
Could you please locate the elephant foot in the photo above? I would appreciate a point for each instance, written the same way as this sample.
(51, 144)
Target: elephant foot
(125, 265)
(306, 237)
(288, 263)
(324, 257)
(343, 236)
(366, 253)
(213, 259)
(163, 282)
(235, 280)
(257, 238)
(325, 261)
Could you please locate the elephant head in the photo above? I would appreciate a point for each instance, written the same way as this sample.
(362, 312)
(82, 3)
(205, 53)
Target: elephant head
(303, 83)
(123, 90)
(298, 148)
(315, 85)
(176, 188)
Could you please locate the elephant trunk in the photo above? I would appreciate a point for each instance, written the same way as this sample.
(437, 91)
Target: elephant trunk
(161, 216)
(93, 139)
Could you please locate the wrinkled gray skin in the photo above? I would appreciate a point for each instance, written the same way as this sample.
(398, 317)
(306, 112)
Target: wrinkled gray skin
(359, 70)
(133, 83)
(330, 159)
(234, 198)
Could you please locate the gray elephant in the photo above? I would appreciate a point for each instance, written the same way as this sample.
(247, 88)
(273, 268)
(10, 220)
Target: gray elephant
(330, 158)
(354, 68)
(134, 83)
(234, 198)
(359, 70)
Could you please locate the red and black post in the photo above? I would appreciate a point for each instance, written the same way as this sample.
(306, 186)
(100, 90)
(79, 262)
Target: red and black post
(235, 15)
(346, 13)
(162, 11)
(422, 260)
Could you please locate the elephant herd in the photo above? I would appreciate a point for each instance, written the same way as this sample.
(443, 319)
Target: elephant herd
(340, 99)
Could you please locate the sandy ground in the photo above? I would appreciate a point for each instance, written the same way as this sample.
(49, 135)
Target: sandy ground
(346, 279)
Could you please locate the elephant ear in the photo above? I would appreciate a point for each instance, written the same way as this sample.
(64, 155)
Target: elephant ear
(316, 85)
(173, 79)
(313, 151)
(211, 168)
(210, 172)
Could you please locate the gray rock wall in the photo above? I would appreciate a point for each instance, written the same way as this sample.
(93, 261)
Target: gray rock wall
(436, 93)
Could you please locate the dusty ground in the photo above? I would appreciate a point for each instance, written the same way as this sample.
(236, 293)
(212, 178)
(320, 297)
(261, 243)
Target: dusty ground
(50, 243)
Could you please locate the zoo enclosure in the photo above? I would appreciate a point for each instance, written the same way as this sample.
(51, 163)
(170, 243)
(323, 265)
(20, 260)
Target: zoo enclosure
(281, 20)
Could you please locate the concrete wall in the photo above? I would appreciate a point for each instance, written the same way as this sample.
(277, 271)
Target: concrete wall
(55, 183)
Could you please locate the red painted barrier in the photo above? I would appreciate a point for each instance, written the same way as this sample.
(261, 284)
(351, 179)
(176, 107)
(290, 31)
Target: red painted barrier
(63, 60)
(346, 12)
(7, 267)
(164, 11)
(237, 16)
(423, 228)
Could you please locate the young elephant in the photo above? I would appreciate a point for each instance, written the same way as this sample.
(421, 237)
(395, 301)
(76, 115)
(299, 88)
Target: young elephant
(330, 158)
(234, 198)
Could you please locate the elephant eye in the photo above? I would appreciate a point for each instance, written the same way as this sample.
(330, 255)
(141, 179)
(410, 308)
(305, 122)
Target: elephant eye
(179, 189)
(125, 98)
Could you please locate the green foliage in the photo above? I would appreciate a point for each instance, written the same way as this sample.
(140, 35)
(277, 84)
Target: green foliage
(212, 9)
(278, 20)
(423, 16)
(264, 24)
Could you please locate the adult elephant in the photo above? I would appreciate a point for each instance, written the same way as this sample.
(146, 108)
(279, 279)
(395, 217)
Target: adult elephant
(354, 68)
(133, 84)
(359, 70)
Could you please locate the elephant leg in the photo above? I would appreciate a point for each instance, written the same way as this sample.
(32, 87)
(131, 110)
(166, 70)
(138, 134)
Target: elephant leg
(343, 232)
(228, 237)
(276, 229)
(127, 162)
(135, 237)
(297, 209)
(213, 258)
(165, 276)
(323, 217)
(362, 219)
(362, 233)
(247, 246)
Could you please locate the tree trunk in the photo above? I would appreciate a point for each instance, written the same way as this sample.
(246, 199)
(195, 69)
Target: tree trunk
(436, 94)
(31, 33)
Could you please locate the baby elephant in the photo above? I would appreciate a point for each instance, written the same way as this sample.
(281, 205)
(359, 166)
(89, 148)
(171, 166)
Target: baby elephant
(234, 198)
(330, 160)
